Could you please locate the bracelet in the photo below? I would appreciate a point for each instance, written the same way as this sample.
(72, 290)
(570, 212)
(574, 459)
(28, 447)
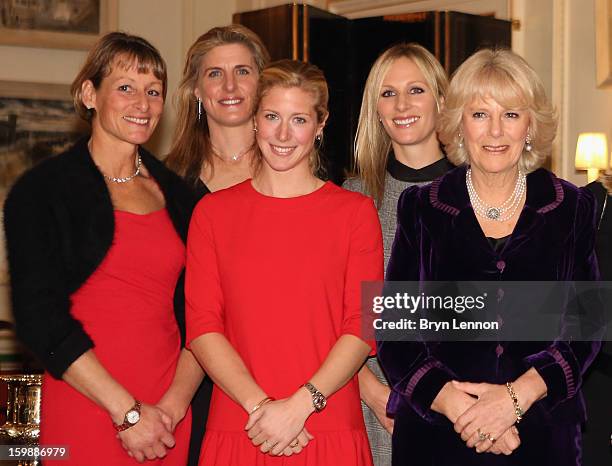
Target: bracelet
(518, 412)
(260, 404)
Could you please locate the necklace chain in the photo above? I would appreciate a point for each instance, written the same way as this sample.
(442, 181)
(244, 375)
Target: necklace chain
(502, 212)
(233, 158)
(114, 179)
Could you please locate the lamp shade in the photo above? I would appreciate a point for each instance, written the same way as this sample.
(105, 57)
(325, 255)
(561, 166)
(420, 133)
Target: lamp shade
(592, 151)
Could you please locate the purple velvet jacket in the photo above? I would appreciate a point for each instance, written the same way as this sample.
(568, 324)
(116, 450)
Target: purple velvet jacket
(438, 238)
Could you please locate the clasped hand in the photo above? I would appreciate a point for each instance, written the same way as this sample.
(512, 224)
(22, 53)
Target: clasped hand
(150, 437)
(488, 424)
(277, 427)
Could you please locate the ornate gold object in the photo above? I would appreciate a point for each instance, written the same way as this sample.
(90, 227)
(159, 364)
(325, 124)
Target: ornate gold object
(22, 425)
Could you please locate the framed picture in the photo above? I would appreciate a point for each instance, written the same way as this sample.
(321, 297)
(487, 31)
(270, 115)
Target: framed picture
(62, 24)
(36, 121)
(603, 42)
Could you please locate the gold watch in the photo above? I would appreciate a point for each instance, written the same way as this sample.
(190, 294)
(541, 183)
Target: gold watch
(131, 418)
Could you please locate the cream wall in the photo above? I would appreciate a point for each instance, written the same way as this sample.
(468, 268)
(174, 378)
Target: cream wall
(586, 107)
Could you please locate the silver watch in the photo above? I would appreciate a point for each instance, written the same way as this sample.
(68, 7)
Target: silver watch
(318, 399)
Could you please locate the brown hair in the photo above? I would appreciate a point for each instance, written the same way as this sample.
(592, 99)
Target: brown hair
(116, 49)
(191, 146)
(305, 76)
(508, 79)
(372, 143)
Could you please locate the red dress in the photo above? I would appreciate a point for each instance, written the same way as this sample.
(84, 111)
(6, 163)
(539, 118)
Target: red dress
(280, 278)
(126, 307)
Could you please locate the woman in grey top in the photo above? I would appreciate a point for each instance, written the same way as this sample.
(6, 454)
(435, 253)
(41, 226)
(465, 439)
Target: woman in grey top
(396, 146)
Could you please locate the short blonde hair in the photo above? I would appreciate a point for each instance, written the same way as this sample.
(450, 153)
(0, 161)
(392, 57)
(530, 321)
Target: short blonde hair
(305, 76)
(372, 143)
(508, 79)
(121, 50)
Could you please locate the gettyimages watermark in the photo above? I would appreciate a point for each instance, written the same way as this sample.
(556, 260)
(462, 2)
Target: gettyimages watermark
(487, 311)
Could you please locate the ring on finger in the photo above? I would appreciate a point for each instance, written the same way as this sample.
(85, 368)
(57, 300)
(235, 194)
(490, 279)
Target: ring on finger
(491, 438)
(482, 436)
(294, 444)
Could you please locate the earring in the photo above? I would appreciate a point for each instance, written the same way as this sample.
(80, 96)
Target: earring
(528, 145)
(200, 110)
(318, 138)
(460, 141)
(254, 128)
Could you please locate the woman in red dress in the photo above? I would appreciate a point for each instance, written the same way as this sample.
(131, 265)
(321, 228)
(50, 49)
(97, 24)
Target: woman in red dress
(96, 245)
(274, 272)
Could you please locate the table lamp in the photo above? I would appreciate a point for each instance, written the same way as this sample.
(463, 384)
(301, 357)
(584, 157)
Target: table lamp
(592, 154)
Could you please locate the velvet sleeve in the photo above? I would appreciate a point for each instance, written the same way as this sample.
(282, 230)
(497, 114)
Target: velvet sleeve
(416, 376)
(39, 289)
(203, 293)
(365, 264)
(563, 364)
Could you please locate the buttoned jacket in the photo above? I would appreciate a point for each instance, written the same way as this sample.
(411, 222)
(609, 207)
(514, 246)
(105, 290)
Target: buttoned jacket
(439, 239)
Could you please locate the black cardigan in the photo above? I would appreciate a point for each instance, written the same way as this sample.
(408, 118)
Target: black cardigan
(59, 224)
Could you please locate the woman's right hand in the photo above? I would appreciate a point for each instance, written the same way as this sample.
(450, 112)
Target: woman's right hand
(452, 402)
(150, 437)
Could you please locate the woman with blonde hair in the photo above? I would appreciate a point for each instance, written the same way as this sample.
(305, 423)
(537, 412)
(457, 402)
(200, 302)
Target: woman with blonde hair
(498, 217)
(274, 272)
(396, 146)
(214, 140)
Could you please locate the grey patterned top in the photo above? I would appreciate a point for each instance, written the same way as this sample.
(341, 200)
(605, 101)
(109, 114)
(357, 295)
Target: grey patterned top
(397, 179)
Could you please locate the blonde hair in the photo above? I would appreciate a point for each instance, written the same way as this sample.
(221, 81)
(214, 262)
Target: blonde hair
(116, 49)
(304, 76)
(508, 79)
(372, 143)
(191, 146)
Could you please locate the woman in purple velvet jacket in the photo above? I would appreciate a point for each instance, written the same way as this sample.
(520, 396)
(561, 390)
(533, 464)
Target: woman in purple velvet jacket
(496, 217)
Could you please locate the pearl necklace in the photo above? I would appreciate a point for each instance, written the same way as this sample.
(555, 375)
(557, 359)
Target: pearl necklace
(497, 213)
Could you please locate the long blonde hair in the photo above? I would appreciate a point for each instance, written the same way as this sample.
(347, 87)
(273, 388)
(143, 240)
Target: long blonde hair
(191, 147)
(372, 143)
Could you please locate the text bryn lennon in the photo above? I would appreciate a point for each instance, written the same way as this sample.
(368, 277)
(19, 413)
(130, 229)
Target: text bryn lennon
(435, 325)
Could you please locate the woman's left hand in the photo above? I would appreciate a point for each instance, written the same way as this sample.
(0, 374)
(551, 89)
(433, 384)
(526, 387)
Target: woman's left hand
(277, 423)
(174, 408)
(491, 416)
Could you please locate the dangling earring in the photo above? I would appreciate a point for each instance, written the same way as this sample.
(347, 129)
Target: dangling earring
(528, 145)
(460, 141)
(200, 110)
(318, 138)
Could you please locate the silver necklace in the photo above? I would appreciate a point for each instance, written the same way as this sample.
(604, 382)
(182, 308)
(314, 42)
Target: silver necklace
(232, 158)
(127, 178)
(497, 213)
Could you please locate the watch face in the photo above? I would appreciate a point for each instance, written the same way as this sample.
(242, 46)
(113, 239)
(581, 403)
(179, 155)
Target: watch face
(133, 416)
(319, 402)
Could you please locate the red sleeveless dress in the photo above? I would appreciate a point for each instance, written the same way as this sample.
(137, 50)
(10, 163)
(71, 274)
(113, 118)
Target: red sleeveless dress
(126, 307)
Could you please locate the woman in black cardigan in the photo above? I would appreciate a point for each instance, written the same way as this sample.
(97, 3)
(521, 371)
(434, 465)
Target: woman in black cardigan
(95, 243)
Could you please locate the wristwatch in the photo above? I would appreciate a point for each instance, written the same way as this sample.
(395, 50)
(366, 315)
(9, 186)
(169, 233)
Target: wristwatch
(318, 399)
(131, 418)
